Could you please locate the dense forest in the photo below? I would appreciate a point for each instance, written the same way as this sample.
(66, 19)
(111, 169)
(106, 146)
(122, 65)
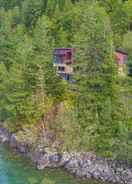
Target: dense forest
(97, 108)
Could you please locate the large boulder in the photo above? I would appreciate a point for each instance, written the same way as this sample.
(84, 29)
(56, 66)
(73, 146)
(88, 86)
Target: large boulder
(18, 145)
(4, 135)
(45, 157)
(13, 141)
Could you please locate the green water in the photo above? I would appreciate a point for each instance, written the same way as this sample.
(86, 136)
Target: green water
(15, 170)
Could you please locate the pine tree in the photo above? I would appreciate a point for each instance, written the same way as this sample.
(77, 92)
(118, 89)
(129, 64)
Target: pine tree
(94, 74)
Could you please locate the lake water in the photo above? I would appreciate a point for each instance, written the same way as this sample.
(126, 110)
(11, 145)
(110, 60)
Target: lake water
(16, 170)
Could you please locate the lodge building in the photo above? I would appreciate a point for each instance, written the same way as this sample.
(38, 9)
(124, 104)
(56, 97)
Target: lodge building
(63, 61)
(121, 58)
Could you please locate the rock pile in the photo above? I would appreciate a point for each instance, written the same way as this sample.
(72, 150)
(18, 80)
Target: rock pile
(84, 165)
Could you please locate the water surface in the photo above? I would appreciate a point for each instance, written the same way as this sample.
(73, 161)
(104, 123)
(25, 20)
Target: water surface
(16, 170)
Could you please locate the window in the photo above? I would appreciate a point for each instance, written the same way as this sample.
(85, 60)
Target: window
(68, 55)
(61, 68)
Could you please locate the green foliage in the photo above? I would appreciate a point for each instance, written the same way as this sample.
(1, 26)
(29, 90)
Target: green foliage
(68, 130)
(31, 10)
(127, 40)
(27, 63)
(95, 117)
(127, 9)
(7, 4)
(95, 65)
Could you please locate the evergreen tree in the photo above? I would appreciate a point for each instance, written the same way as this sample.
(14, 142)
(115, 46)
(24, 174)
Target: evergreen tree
(93, 43)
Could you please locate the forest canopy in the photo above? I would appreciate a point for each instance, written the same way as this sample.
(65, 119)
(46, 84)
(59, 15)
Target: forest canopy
(97, 113)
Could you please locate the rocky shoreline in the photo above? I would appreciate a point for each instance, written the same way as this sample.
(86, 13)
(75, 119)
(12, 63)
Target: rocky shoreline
(84, 165)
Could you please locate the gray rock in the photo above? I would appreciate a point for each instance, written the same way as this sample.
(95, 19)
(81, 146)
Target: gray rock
(84, 165)
(23, 148)
(43, 161)
(4, 135)
(65, 159)
(55, 158)
(13, 141)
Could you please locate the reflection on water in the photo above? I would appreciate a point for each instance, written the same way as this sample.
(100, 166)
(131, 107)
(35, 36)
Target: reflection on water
(15, 170)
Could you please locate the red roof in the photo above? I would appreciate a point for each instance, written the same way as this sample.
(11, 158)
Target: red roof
(121, 57)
